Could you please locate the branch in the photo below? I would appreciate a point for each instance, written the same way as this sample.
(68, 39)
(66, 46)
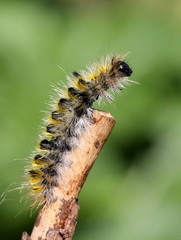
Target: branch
(57, 221)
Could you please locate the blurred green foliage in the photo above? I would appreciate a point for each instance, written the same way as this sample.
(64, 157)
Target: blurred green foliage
(134, 189)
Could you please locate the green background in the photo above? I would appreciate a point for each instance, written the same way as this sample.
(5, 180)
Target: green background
(134, 190)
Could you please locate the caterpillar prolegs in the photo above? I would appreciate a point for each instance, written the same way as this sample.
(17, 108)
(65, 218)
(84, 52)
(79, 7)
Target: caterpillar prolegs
(69, 117)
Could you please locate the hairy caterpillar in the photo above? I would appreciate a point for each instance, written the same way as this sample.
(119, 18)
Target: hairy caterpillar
(69, 117)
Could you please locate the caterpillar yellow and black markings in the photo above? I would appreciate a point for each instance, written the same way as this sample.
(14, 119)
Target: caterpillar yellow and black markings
(68, 119)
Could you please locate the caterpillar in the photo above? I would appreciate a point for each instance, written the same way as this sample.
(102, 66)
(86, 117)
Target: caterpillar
(68, 118)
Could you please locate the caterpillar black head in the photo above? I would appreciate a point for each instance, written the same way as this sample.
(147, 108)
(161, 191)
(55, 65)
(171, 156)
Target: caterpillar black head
(124, 69)
(119, 69)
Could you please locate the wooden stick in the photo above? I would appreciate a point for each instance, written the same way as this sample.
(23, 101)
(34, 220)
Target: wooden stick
(57, 221)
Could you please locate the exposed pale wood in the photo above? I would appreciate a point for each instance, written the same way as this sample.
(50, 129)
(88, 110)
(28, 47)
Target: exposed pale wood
(57, 221)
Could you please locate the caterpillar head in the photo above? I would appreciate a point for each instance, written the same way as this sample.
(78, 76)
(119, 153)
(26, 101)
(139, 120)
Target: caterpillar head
(124, 69)
(119, 69)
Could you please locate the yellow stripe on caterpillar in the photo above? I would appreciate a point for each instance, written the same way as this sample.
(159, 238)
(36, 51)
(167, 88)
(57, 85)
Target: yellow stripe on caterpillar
(37, 189)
